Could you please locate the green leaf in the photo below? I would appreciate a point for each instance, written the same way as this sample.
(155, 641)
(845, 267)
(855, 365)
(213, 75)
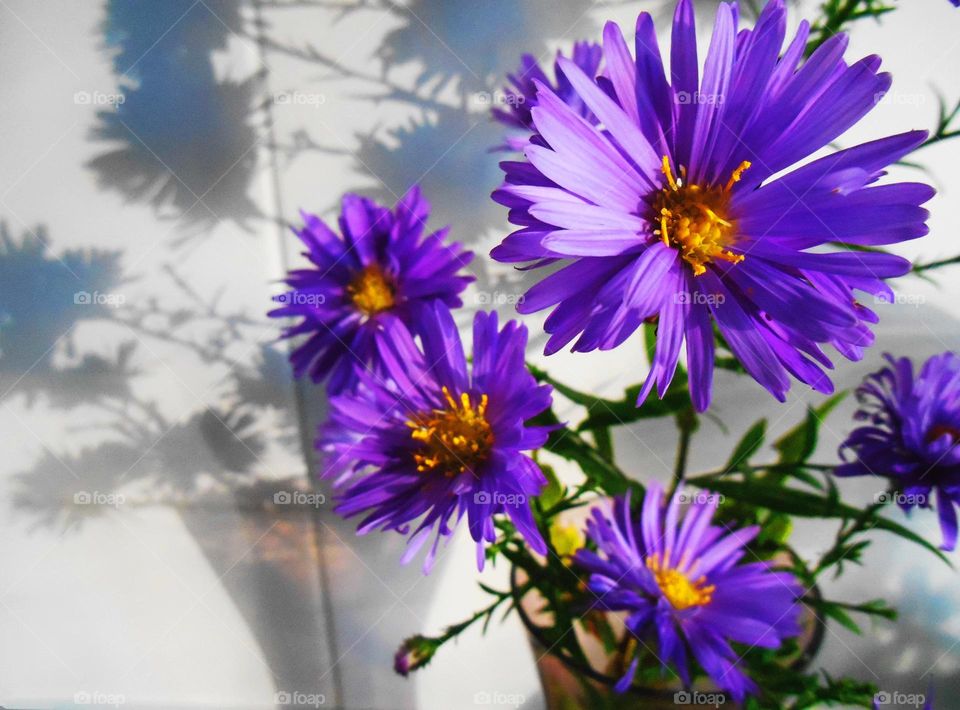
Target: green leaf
(776, 497)
(838, 614)
(797, 445)
(603, 413)
(748, 446)
(841, 554)
(776, 530)
(878, 607)
(568, 444)
(607, 413)
(838, 611)
(554, 491)
(575, 396)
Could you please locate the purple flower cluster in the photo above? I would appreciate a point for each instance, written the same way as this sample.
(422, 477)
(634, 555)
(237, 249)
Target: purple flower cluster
(910, 435)
(684, 581)
(672, 204)
(655, 197)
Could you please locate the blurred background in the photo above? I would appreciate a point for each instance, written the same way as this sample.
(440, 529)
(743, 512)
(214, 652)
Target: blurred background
(162, 541)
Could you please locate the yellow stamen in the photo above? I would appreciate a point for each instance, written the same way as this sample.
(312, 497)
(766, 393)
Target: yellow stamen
(677, 587)
(371, 291)
(737, 174)
(695, 219)
(669, 173)
(455, 439)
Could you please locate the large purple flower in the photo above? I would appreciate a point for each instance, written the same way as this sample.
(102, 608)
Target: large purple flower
(383, 265)
(521, 97)
(673, 205)
(684, 581)
(432, 442)
(911, 434)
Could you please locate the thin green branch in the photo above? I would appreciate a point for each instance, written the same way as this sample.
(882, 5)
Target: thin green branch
(838, 14)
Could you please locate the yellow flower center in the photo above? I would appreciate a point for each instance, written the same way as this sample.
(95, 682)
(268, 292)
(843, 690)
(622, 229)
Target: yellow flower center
(371, 291)
(454, 439)
(693, 219)
(678, 588)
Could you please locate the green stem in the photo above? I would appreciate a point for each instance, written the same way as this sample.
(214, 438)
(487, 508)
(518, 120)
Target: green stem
(929, 266)
(604, 442)
(572, 501)
(683, 450)
(567, 391)
(868, 608)
(456, 629)
(836, 14)
(772, 467)
(598, 469)
(844, 535)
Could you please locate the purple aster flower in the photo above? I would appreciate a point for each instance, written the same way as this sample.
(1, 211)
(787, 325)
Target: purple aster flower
(522, 96)
(675, 205)
(433, 442)
(383, 265)
(910, 435)
(684, 580)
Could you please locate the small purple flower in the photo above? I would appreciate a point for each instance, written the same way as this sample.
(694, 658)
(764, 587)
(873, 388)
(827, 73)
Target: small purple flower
(383, 265)
(910, 435)
(432, 441)
(675, 205)
(522, 96)
(683, 580)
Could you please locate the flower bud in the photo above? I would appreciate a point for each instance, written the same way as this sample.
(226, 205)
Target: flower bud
(414, 653)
